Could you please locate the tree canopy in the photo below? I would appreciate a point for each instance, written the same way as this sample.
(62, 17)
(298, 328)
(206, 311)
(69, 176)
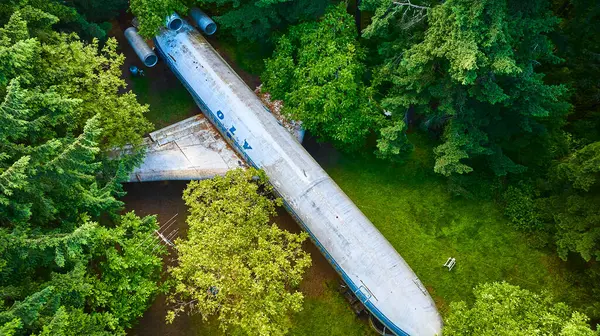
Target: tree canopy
(317, 71)
(473, 71)
(234, 264)
(61, 106)
(503, 93)
(504, 309)
(87, 18)
(61, 112)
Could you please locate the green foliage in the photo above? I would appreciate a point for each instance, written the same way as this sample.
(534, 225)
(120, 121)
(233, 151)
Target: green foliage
(152, 14)
(566, 206)
(521, 208)
(253, 20)
(577, 219)
(470, 66)
(562, 201)
(564, 211)
(127, 276)
(317, 71)
(61, 110)
(76, 322)
(118, 289)
(574, 202)
(87, 23)
(393, 143)
(98, 10)
(28, 311)
(233, 263)
(581, 169)
(73, 80)
(61, 106)
(504, 309)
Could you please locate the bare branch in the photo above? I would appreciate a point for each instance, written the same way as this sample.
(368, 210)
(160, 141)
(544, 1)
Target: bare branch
(410, 4)
(411, 13)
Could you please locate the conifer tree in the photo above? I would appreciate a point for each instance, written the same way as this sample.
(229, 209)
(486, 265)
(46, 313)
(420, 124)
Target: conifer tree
(12, 179)
(471, 68)
(13, 115)
(61, 110)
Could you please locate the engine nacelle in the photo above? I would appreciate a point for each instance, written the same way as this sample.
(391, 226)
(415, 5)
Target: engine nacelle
(204, 22)
(141, 48)
(174, 22)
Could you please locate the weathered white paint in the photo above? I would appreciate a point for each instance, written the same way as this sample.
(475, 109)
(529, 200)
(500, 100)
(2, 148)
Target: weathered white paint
(191, 149)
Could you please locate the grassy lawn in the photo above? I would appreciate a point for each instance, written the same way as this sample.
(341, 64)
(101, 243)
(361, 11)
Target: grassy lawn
(426, 225)
(169, 102)
(328, 314)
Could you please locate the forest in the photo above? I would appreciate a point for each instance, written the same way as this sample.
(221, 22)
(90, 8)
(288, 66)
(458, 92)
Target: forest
(467, 128)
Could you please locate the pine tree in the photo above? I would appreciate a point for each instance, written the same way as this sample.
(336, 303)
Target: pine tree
(29, 310)
(13, 115)
(17, 53)
(11, 179)
(61, 109)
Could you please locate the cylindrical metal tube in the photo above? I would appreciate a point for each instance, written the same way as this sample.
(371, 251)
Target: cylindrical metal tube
(140, 47)
(204, 22)
(174, 22)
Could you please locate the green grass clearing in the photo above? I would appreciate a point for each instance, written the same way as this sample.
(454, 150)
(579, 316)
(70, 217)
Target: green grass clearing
(329, 314)
(414, 211)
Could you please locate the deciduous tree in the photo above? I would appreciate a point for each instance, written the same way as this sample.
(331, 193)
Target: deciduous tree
(235, 264)
(317, 71)
(504, 309)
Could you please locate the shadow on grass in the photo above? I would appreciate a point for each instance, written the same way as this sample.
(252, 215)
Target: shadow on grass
(168, 103)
